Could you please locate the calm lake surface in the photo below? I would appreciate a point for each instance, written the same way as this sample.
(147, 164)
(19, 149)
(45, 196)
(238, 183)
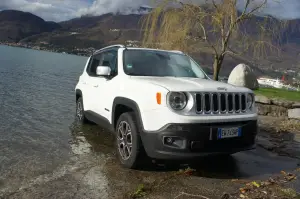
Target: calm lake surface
(42, 155)
(37, 105)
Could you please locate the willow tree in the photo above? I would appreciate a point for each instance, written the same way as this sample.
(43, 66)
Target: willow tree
(223, 26)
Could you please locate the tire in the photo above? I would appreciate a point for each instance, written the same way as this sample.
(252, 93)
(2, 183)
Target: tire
(128, 143)
(80, 117)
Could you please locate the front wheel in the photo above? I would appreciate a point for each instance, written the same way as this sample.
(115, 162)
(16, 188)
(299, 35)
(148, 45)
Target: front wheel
(128, 141)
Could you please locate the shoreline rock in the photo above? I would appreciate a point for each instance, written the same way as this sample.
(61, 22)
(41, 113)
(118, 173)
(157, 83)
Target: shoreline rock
(294, 113)
(277, 107)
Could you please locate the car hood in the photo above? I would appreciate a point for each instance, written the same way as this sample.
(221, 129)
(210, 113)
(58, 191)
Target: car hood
(191, 84)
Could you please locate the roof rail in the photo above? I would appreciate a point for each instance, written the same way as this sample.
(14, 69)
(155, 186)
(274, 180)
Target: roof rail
(177, 51)
(111, 46)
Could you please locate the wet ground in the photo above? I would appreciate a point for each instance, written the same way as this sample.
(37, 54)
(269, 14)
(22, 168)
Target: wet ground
(44, 155)
(93, 172)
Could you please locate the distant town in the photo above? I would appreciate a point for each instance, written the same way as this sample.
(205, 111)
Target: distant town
(49, 48)
(293, 84)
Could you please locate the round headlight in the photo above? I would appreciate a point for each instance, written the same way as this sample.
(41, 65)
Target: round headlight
(250, 101)
(177, 100)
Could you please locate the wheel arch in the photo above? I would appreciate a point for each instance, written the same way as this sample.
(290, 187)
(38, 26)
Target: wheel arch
(122, 105)
(78, 94)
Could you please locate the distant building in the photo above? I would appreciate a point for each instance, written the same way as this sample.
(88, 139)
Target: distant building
(277, 83)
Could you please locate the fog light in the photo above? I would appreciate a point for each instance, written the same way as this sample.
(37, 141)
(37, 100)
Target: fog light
(173, 141)
(169, 140)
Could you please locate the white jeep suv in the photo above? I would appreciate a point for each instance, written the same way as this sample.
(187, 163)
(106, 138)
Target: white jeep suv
(163, 104)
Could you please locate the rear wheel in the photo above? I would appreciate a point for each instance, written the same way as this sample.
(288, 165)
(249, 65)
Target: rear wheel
(128, 142)
(80, 117)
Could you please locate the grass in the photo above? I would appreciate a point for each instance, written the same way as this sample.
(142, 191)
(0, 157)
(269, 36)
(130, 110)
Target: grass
(139, 192)
(279, 93)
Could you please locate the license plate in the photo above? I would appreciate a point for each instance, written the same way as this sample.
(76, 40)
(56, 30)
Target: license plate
(229, 132)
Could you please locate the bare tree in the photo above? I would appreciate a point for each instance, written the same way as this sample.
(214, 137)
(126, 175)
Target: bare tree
(217, 25)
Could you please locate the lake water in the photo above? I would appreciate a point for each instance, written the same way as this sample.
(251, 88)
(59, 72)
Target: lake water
(42, 156)
(37, 105)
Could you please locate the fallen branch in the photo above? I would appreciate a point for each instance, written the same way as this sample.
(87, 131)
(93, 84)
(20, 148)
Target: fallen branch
(191, 195)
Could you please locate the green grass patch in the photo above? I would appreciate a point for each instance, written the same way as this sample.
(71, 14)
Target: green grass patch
(279, 93)
(139, 192)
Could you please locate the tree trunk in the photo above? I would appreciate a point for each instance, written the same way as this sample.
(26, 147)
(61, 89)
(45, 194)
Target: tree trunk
(218, 60)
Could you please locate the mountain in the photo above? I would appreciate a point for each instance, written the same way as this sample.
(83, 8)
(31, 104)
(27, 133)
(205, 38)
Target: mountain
(99, 31)
(92, 31)
(16, 25)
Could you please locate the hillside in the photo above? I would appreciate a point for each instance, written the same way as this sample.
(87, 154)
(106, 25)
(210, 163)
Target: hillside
(88, 31)
(16, 25)
(99, 31)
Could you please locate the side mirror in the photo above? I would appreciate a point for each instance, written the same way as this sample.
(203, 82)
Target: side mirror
(103, 71)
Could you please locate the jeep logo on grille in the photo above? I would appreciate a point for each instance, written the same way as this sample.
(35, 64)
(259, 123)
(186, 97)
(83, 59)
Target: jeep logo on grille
(222, 89)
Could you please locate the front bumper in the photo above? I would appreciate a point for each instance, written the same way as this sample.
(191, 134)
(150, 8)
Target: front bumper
(196, 140)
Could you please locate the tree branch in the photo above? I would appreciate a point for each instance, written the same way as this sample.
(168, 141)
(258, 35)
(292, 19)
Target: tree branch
(246, 6)
(207, 40)
(245, 15)
(230, 51)
(214, 4)
(258, 7)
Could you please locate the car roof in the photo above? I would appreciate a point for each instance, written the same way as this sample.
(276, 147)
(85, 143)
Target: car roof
(136, 48)
(155, 49)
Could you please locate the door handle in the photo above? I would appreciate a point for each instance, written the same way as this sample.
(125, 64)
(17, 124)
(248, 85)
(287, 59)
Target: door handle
(96, 86)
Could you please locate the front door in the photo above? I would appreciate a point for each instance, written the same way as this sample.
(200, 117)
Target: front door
(102, 85)
(92, 83)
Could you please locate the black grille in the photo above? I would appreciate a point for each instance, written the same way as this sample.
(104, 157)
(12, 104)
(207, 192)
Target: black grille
(215, 102)
(220, 103)
(223, 102)
(206, 102)
(222, 145)
(199, 103)
(237, 102)
(244, 102)
(230, 102)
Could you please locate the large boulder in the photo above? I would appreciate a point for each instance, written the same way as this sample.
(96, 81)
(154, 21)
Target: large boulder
(243, 75)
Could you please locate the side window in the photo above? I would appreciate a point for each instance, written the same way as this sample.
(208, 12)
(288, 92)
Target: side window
(107, 58)
(110, 58)
(94, 63)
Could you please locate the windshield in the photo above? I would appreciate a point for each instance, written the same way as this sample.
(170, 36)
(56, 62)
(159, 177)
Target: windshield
(160, 63)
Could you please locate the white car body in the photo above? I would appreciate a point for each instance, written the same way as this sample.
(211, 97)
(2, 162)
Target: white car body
(100, 93)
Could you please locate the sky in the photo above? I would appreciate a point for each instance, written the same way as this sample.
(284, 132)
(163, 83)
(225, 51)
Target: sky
(61, 10)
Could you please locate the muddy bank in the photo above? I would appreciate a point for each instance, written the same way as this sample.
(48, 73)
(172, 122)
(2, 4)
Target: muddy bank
(280, 135)
(93, 172)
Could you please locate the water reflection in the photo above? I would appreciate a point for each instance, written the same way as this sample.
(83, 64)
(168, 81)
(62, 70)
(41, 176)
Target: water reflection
(96, 141)
(80, 145)
(90, 138)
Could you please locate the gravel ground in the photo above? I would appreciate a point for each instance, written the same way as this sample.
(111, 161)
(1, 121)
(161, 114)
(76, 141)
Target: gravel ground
(93, 172)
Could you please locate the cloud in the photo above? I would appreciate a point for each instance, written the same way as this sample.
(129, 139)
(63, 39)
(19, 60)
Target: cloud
(60, 10)
(51, 10)
(99, 7)
(284, 9)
